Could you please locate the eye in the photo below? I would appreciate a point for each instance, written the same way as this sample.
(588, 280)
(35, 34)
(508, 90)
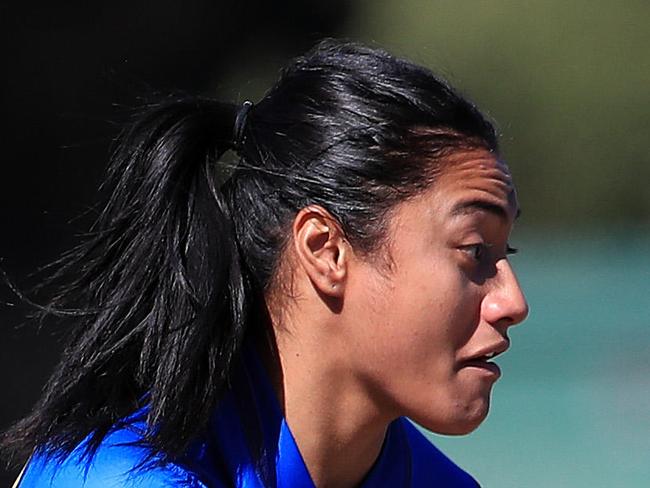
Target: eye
(476, 251)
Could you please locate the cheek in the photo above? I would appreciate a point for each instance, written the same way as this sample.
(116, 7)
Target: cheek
(442, 306)
(464, 317)
(420, 317)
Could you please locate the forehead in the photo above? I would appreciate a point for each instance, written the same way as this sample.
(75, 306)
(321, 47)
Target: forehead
(477, 179)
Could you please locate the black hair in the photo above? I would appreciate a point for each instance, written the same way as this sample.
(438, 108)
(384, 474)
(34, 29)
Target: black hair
(174, 274)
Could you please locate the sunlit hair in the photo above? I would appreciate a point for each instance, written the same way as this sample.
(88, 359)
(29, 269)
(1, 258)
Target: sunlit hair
(174, 273)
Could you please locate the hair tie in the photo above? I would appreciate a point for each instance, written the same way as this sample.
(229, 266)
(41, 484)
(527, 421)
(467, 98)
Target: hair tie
(240, 124)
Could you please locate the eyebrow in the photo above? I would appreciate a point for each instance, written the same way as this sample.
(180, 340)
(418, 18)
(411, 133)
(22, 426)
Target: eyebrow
(469, 206)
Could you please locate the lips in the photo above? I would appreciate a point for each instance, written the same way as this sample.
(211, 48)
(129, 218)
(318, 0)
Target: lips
(487, 367)
(489, 352)
(481, 358)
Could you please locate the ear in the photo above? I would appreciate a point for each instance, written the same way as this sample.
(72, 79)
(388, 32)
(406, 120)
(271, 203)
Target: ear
(321, 249)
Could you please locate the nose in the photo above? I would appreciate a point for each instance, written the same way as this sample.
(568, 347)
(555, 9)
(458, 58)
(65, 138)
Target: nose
(505, 303)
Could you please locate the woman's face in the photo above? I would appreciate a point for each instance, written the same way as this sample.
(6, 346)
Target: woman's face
(427, 324)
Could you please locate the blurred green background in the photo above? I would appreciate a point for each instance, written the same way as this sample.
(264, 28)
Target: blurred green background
(567, 83)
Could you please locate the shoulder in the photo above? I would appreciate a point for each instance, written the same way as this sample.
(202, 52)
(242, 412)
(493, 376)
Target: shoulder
(115, 464)
(430, 466)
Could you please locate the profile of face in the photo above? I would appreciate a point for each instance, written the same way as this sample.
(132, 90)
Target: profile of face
(427, 326)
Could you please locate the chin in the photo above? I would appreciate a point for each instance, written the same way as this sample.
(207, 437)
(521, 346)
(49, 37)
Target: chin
(464, 427)
(461, 419)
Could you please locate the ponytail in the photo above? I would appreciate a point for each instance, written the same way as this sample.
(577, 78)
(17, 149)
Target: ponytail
(156, 293)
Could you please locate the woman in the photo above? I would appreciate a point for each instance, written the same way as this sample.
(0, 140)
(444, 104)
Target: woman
(272, 321)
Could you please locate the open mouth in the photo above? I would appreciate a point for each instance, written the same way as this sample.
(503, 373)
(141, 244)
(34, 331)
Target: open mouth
(482, 358)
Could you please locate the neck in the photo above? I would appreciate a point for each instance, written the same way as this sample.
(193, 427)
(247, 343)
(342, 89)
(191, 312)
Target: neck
(338, 429)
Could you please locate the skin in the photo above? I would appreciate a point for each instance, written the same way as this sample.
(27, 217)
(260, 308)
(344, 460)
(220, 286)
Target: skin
(359, 345)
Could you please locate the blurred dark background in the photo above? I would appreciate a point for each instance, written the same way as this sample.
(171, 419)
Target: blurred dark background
(567, 83)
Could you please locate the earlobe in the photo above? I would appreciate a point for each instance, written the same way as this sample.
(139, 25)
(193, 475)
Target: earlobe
(321, 249)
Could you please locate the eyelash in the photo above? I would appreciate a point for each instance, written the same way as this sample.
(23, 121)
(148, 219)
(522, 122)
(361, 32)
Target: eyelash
(482, 247)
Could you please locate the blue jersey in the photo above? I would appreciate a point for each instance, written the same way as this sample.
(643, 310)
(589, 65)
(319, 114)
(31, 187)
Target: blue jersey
(248, 445)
